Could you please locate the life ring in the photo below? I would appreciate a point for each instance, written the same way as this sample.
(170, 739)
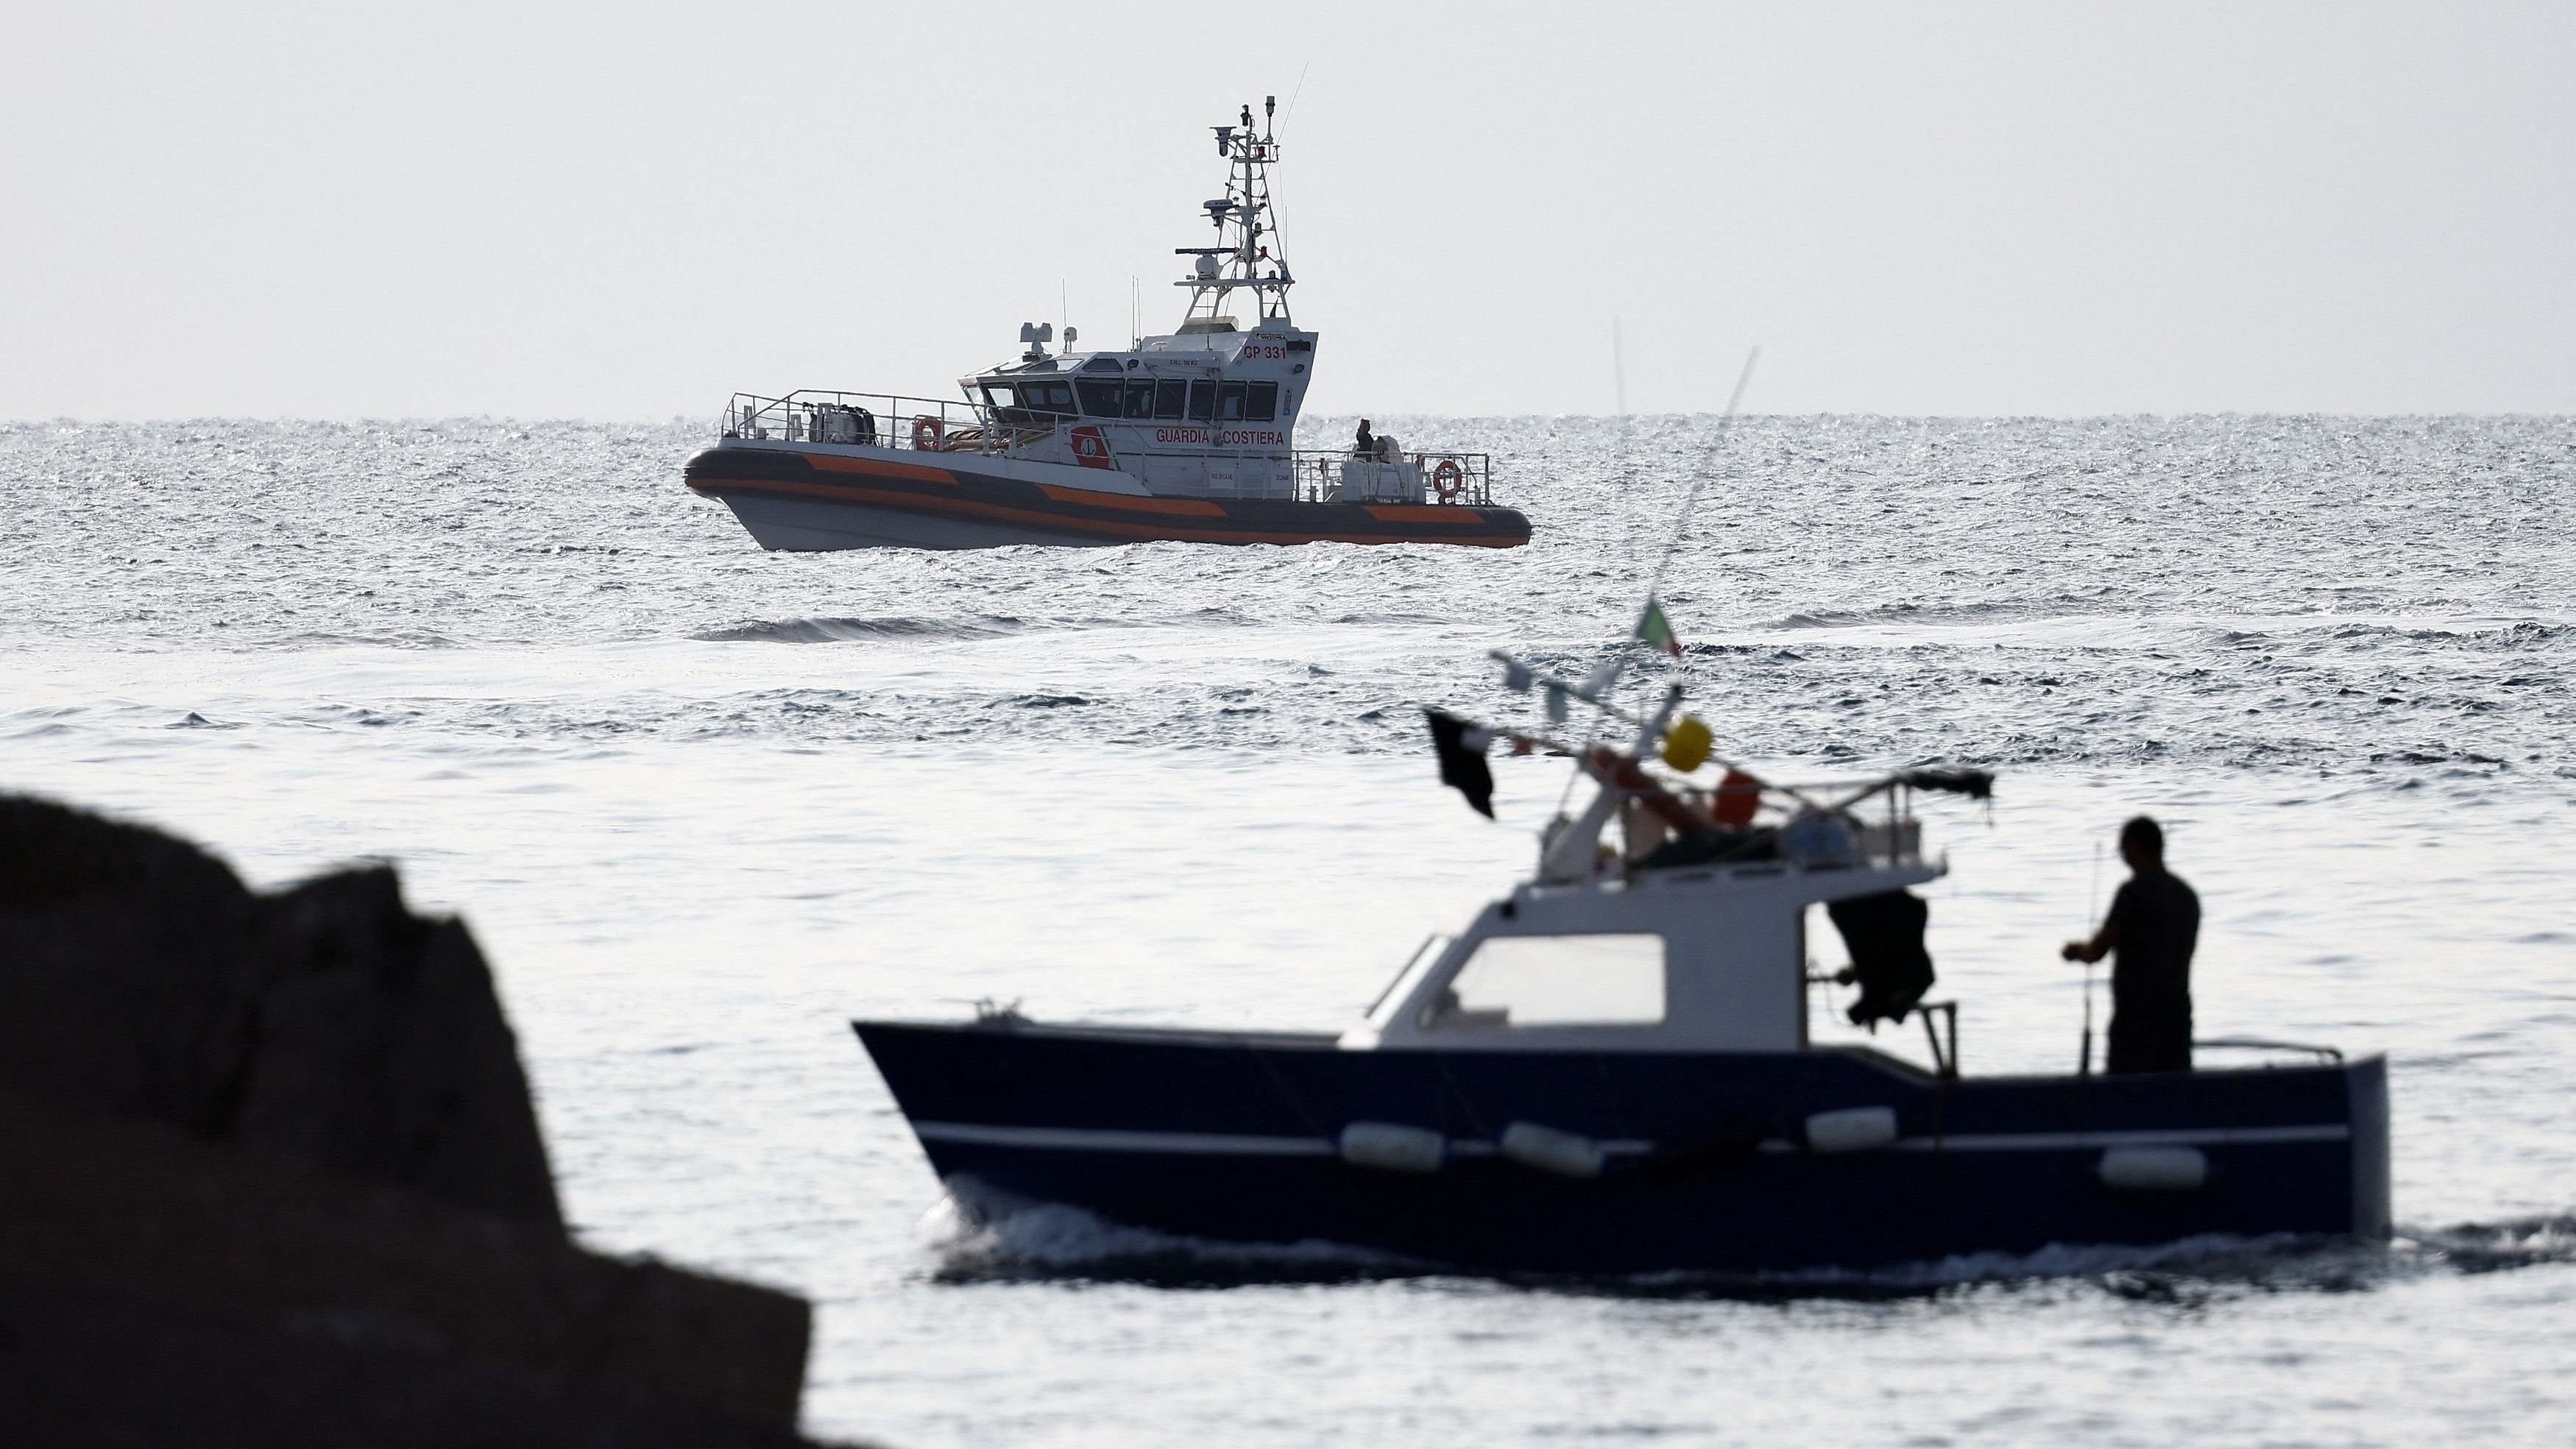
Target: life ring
(928, 433)
(1448, 480)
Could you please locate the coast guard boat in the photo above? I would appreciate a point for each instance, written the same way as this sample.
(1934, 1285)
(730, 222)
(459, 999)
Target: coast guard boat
(1609, 1071)
(1186, 436)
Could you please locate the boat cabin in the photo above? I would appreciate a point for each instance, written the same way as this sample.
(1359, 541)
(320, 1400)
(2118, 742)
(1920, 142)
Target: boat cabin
(1709, 957)
(1692, 936)
(1211, 411)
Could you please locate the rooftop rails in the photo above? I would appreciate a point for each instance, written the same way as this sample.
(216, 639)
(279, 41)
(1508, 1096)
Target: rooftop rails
(868, 419)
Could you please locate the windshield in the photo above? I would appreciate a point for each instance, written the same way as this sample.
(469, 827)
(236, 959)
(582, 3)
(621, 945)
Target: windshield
(1430, 949)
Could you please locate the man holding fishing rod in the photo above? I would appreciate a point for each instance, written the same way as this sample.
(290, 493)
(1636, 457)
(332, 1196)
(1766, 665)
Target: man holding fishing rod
(2153, 925)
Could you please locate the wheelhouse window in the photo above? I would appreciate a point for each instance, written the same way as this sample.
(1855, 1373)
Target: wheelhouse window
(1101, 399)
(1051, 398)
(1202, 401)
(1171, 398)
(1517, 982)
(1229, 403)
(1261, 402)
(1140, 398)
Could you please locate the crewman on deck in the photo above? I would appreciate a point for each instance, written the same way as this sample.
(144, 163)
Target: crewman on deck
(2153, 925)
(1366, 447)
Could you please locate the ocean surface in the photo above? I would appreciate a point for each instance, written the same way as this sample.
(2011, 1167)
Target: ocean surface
(702, 805)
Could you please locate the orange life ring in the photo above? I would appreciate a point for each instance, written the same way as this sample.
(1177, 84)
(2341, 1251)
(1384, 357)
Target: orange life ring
(1448, 480)
(928, 433)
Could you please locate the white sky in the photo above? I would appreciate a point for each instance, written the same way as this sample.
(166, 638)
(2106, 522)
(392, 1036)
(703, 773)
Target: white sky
(631, 210)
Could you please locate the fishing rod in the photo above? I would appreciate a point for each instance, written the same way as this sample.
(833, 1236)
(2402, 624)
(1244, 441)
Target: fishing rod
(1595, 691)
(1690, 505)
(2092, 903)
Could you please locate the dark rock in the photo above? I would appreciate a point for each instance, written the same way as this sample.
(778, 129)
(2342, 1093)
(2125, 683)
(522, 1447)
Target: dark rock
(91, 1367)
(126, 1222)
(138, 977)
(269, 1175)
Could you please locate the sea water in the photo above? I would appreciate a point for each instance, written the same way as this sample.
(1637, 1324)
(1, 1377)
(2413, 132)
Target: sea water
(702, 805)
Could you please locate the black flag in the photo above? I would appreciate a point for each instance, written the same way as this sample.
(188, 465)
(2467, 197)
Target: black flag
(1884, 934)
(1462, 759)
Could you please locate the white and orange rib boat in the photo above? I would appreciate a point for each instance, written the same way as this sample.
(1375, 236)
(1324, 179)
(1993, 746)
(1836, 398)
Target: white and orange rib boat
(1188, 436)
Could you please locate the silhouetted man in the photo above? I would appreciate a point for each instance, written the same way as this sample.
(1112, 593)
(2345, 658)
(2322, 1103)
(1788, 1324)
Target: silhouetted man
(1366, 447)
(2153, 925)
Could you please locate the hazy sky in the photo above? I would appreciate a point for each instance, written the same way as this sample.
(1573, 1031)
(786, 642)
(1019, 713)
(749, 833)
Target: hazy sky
(631, 210)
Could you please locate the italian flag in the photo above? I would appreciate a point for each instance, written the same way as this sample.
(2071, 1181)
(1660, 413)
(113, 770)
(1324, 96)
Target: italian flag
(1655, 631)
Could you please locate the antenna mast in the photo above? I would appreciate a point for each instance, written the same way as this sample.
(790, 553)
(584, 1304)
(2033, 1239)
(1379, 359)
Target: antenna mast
(1247, 233)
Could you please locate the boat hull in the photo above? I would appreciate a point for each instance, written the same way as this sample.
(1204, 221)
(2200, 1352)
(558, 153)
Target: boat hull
(883, 498)
(1233, 1137)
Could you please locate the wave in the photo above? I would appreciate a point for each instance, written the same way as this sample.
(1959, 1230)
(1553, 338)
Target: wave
(2224, 629)
(1933, 613)
(844, 631)
(830, 630)
(983, 1236)
(321, 639)
(2486, 1247)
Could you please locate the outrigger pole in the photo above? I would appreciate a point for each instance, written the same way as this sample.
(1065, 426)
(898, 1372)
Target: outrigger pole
(1519, 677)
(1594, 691)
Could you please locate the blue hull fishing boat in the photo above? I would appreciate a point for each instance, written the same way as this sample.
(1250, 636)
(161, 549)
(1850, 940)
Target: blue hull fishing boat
(1609, 1070)
(1629, 1161)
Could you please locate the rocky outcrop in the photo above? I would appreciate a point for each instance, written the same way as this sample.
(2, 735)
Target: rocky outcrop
(139, 977)
(272, 1176)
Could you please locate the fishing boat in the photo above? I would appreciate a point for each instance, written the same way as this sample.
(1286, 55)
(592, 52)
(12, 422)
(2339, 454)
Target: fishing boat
(1186, 436)
(1611, 1070)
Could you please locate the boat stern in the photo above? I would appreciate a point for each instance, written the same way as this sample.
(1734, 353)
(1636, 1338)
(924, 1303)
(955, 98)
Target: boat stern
(2366, 1086)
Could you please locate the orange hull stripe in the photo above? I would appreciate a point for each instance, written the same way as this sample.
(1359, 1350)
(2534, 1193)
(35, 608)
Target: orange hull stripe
(835, 463)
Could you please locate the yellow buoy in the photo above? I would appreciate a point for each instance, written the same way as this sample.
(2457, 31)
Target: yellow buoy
(1686, 744)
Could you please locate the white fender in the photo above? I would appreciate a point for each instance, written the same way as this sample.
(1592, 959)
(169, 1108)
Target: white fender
(1392, 1147)
(1566, 1154)
(2153, 1169)
(1851, 1129)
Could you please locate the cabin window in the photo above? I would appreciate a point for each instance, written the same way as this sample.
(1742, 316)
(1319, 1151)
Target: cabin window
(1202, 401)
(1047, 397)
(1101, 399)
(1140, 399)
(1171, 398)
(1229, 403)
(1261, 402)
(1516, 982)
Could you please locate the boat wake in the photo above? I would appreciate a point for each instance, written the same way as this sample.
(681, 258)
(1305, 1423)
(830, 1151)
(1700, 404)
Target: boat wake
(987, 1238)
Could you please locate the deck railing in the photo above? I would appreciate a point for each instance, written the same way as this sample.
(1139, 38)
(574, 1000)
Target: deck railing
(951, 425)
(1327, 475)
(885, 420)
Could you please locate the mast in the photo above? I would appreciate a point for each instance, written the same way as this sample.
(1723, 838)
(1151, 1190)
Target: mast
(1247, 255)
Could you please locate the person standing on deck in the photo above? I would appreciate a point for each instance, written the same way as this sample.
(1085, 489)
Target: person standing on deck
(2153, 925)
(1366, 447)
